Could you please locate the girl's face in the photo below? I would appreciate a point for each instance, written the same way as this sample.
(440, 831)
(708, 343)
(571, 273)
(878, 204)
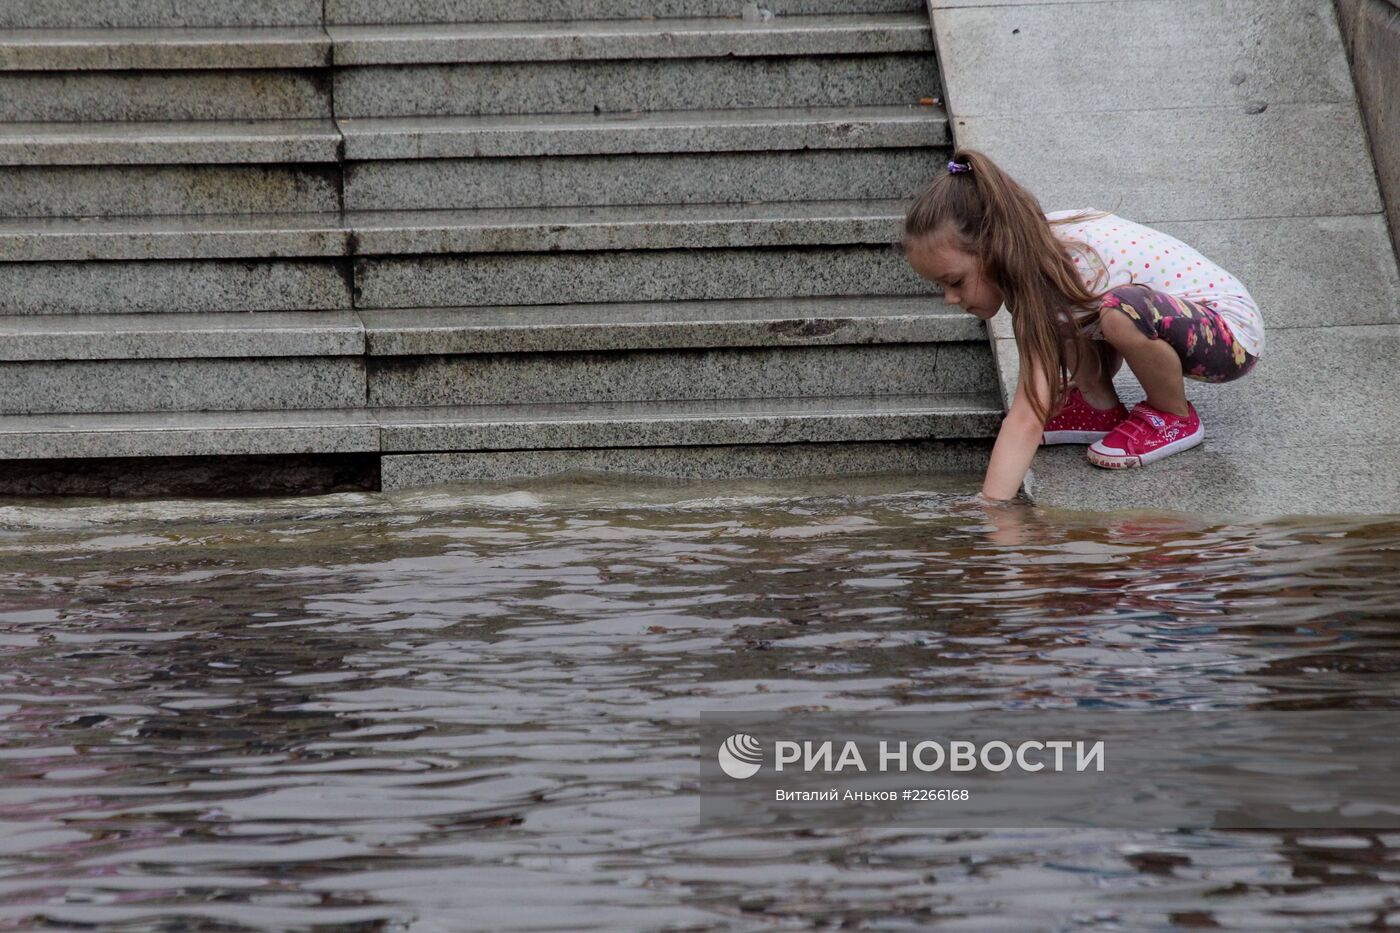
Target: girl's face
(939, 258)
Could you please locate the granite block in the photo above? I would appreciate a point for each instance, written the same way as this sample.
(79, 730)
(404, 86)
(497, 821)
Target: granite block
(192, 477)
(112, 49)
(1189, 164)
(1305, 271)
(272, 384)
(156, 14)
(402, 471)
(663, 325)
(651, 227)
(687, 424)
(178, 287)
(644, 375)
(619, 86)
(481, 11)
(186, 434)
(92, 191)
(180, 336)
(655, 275)
(1228, 484)
(628, 40)
(667, 132)
(575, 181)
(164, 95)
(210, 142)
(1242, 52)
(1018, 4)
(259, 236)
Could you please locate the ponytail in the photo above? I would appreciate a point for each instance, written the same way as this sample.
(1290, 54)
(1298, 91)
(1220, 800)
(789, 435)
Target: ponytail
(1002, 224)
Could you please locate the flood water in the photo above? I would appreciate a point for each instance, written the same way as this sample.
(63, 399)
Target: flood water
(464, 709)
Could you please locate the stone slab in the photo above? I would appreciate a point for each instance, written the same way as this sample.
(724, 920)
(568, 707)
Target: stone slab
(657, 375)
(172, 287)
(1016, 4)
(211, 142)
(120, 14)
(1189, 164)
(402, 471)
(1305, 271)
(772, 322)
(634, 85)
(618, 180)
(145, 190)
(462, 11)
(1242, 52)
(1301, 433)
(629, 40)
(705, 226)
(180, 336)
(1228, 485)
(667, 132)
(186, 434)
(655, 275)
(261, 236)
(112, 49)
(151, 385)
(692, 423)
(93, 96)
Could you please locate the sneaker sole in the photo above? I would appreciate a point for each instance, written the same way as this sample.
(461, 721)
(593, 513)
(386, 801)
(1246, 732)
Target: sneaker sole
(1111, 462)
(1072, 437)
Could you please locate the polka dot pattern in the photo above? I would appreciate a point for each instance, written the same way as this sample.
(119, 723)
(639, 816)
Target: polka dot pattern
(1152, 258)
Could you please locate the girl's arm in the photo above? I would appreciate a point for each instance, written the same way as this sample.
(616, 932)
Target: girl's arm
(1021, 433)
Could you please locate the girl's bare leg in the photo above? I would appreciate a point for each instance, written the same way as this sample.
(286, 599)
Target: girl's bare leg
(1092, 365)
(1154, 362)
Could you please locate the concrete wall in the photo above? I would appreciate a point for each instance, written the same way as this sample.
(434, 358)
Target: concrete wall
(1371, 32)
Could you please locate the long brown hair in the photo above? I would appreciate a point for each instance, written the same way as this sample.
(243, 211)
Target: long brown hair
(1001, 223)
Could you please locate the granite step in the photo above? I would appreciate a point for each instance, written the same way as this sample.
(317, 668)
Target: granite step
(214, 142)
(175, 362)
(155, 190)
(614, 180)
(155, 14)
(180, 336)
(169, 95)
(666, 325)
(147, 14)
(516, 428)
(855, 78)
(659, 375)
(758, 129)
(631, 275)
(380, 233)
(174, 286)
(653, 227)
(463, 11)
(64, 50)
(137, 169)
(627, 40)
(688, 423)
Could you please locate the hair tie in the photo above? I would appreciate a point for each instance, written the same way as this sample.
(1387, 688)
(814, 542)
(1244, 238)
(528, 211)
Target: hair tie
(955, 168)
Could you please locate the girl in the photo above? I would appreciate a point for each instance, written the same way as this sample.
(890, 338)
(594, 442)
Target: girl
(1086, 291)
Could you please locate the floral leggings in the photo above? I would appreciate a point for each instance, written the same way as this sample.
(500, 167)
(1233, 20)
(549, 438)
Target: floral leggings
(1200, 336)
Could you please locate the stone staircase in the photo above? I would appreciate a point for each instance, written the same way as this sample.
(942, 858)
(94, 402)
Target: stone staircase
(241, 234)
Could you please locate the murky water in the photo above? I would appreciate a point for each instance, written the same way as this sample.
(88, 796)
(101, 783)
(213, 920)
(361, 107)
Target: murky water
(452, 711)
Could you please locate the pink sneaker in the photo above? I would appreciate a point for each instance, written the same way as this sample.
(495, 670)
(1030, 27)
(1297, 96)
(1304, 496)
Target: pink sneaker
(1081, 423)
(1147, 435)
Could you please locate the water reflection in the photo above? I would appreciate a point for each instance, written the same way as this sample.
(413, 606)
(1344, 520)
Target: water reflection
(453, 710)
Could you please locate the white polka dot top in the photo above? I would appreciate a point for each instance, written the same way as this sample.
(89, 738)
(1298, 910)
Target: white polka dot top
(1125, 253)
